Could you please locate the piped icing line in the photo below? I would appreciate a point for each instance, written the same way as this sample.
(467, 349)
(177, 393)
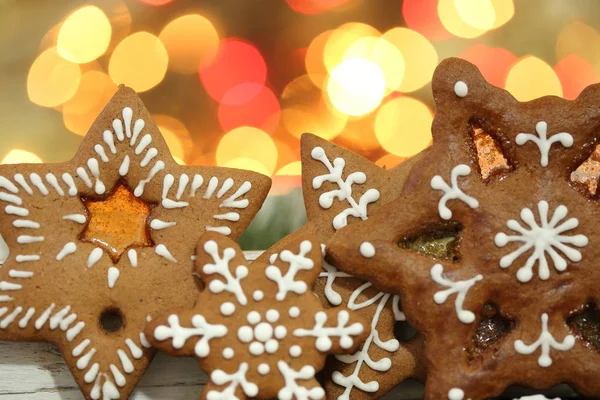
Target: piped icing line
(6, 184)
(231, 383)
(297, 262)
(179, 335)
(323, 334)
(543, 142)
(454, 192)
(95, 256)
(196, 184)
(163, 252)
(292, 389)
(69, 248)
(168, 182)
(20, 179)
(461, 288)
(25, 223)
(36, 180)
(78, 218)
(223, 230)
(158, 166)
(545, 342)
(358, 208)
(70, 182)
(221, 267)
(133, 257)
(158, 224)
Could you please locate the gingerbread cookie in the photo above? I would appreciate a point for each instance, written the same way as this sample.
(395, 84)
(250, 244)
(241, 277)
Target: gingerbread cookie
(258, 330)
(102, 243)
(341, 188)
(513, 301)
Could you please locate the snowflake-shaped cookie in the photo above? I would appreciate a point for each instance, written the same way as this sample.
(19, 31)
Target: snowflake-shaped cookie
(94, 240)
(342, 188)
(515, 301)
(258, 330)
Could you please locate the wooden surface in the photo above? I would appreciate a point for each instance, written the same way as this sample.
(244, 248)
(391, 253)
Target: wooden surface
(36, 371)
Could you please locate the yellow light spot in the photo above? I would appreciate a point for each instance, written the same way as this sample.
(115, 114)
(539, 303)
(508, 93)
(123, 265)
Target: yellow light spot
(389, 161)
(248, 142)
(505, 10)
(453, 21)
(178, 160)
(356, 87)
(191, 41)
(52, 80)
(479, 14)
(341, 39)
(314, 59)
(248, 164)
(84, 36)
(16, 156)
(403, 126)
(175, 133)
(530, 78)
(420, 57)
(579, 39)
(83, 108)
(305, 110)
(139, 61)
(292, 169)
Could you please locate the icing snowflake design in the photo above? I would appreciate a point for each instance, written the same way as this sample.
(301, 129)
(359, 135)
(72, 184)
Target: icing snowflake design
(545, 342)
(45, 214)
(544, 142)
(343, 192)
(272, 306)
(461, 289)
(543, 239)
(452, 192)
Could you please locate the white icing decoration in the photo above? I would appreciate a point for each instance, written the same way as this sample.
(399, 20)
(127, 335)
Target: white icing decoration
(139, 190)
(95, 256)
(233, 381)
(162, 251)
(10, 318)
(344, 191)
(456, 394)
(227, 184)
(545, 341)
(324, 334)
(263, 369)
(41, 321)
(25, 320)
(196, 183)
(228, 353)
(11, 198)
(13, 273)
(294, 312)
(297, 262)
(461, 288)
(119, 377)
(70, 182)
(367, 250)
(113, 275)
(536, 397)
(294, 391)
(230, 216)
(51, 179)
(27, 258)
(18, 211)
(544, 142)
(135, 351)
(233, 202)
(26, 239)
(295, 351)
(212, 185)
(223, 230)
(24, 223)
(79, 218)
(36, 180)
(91, 375)
(108, 139)
(20, 179)
(454, 192)
(543, 239)
(94, 168)
(227, 308)
(125, 361)
(100, 151)
(5, 286)
(180, 335)
(133, 257)
(124, 168)
(461, 89)
(150, 154)
(8, 185)
(258, 295)
(183, 181)
(221, 267)
(144, 142)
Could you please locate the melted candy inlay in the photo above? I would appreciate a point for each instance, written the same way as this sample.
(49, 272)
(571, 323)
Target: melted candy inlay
(117, 222)
(587, 325)
(489, 155)
(492, 327)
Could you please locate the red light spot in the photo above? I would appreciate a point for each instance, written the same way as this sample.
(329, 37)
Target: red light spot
(237, 62)
(156, 2)
(575, 74)
(249, 104)
(493, 62)
(311, 7)
(422, 16)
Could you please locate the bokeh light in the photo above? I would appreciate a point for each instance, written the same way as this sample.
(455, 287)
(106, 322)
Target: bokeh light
(260, 111)
(422, 16)
(292, 169)
(249, 143)
(504, 10)
(236, 62)
(420, 57)
(342, 38)
(389, 161)
(530, 78)
(84, 36)
(95, 90)
(575, 74)
(52, 80)
(403, 126)
(139, 61)
(453, 20)
(191, 41)
(156, 2)
(315, 61)
(176, 135)
(311, 7)
(356, 87)
(479, 14)
(493, 62)
(17, 156)
(581, 40)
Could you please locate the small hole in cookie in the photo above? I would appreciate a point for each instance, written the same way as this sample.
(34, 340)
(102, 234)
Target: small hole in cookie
(588, 173)
(492, 327)
(111, 320)
(586, 324)
(404, 331)
(490, 157)
(439, 240)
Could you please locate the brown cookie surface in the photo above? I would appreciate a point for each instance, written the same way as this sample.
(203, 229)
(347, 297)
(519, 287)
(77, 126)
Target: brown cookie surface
(258, 330)
(514, 299)
(103, 243)
(341, 188)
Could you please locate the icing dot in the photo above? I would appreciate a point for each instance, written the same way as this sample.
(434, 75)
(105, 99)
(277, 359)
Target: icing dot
(367, 250)
(245, 334)
(294, 312)
(256, 348)
(258, 295)
(228, 353)
(272, 346)
(295, 351)
(264, 369)
(323, 344)
(272, 316)
(461, 89)
(456, 394)
(227, 309)
(253, 317)
(280, 332)
(263, 332)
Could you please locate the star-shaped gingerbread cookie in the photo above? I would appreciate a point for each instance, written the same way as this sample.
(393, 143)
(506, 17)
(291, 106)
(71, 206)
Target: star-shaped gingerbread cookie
(103, 243)
(257, 330)
(513, 301)
(341, 188)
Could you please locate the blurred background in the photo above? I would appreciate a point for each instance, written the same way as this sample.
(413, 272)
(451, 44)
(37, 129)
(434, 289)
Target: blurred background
(235, 82)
